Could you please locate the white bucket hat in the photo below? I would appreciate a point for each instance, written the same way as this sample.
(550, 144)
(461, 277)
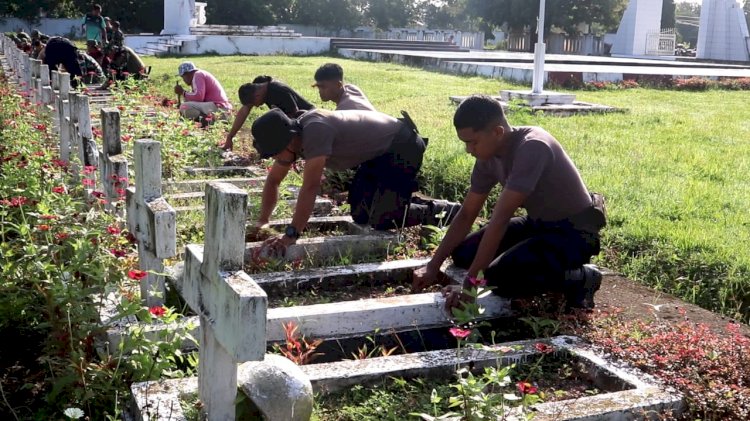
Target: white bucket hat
(186, 67)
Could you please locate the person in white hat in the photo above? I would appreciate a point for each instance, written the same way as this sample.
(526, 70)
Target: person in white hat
(207, 95)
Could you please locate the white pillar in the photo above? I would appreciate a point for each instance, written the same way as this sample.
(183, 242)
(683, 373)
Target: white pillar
(723, 32)
(177, 16)
(641, 18)
(537, 85)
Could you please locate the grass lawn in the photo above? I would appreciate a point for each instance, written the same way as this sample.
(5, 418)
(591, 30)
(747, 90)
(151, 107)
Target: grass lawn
(674, 169)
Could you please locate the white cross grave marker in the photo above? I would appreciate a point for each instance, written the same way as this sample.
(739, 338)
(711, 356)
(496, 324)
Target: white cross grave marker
(232, 307)
(151, 220)
(114, 163)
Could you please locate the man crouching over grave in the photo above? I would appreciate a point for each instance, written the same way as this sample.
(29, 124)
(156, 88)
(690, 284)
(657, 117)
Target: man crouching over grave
(207, 96)
(548, 249)
(388, 152)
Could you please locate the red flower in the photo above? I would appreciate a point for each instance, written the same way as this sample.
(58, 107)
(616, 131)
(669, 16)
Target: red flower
(96, 132)
(60, 163)
(459, 333)
(89, 182)
(58, 189)
(185, 132)
(97, 194)
(48, 217)
(118, 253)
(121, 107)
(89, 169)
(526, 388)
(40, 127)
(38, 153)
(43, 227)
(544, 348)
(126, 138)
(477, 282)
(157, 311)
(137, 274)
(121, 192)
(62, 235)
(15, 202)
(130, 237)
(113, 230)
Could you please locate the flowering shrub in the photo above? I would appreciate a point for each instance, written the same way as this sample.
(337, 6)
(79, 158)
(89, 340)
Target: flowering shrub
(693, 84)
(56, 252)
(711, 369)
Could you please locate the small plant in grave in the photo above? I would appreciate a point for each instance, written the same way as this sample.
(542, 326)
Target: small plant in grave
(297, 348)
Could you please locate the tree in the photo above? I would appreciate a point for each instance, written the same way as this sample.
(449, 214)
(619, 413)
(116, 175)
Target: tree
(385, 14)
(333, 14)
(668, 11)
(447, 14)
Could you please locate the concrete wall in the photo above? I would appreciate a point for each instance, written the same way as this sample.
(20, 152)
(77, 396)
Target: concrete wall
(641, 18)
(226, 45)
(62, 27)
(137, 42)
(723, 33)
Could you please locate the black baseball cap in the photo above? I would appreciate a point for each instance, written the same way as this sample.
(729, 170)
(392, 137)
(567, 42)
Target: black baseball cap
(272, 133)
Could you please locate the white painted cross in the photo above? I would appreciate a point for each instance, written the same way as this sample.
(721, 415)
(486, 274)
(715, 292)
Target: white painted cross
(232, 307)
(114, 163)
(62, 105)
(34, 85)
(151, 220)
(45, 88)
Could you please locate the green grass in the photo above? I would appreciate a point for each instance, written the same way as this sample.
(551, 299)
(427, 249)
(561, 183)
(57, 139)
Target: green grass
(674, 169)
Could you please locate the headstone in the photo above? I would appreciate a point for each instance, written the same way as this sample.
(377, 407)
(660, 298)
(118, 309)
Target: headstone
(232, 307)
(278, 388)
(151, 220)
(641, 18)
(177, 16)
(723, 32)
(114, 163)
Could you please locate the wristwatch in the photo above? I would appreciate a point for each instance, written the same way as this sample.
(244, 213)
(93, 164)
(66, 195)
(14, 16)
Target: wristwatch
(291, 232)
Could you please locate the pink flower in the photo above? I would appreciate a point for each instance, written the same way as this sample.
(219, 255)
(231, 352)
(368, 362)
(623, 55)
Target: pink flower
(526, 388)
(62, 235)
(543, 348)
(60, 163)
(459, 333)
(137, 274)
(157, 311)
(113, 230)
(88, 182)
(477, 282)
(89, 169)
(58, 189)
(97, 194)
(96, 132)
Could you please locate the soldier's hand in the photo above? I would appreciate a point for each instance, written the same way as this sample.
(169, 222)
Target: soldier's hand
(423, 277)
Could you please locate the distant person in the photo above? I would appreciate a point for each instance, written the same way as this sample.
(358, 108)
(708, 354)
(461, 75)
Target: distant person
(92, 73)
(546, 250)
(36, 35)
(126, 63)
(60, 51)
(329, 79)
(36, 48)
(95, 51)
(118, 38)
(273, 93)
(207, 95)
(95, 25)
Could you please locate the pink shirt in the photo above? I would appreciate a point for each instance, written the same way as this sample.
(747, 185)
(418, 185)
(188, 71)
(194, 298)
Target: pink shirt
(207, 89)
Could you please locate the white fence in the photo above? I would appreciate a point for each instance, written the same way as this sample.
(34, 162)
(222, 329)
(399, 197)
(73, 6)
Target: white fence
(661, 43)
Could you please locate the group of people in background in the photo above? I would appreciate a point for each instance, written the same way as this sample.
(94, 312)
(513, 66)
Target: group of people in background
(105, 58)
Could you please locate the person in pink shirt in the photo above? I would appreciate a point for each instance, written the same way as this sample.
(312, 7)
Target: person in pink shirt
(207, 95)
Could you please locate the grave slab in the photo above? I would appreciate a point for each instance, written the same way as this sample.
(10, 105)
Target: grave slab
(639, 392)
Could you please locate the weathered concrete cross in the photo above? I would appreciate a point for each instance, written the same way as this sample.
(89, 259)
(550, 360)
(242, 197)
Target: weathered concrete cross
(232, 307)
(151, 220)
(62, 105)
(114, 163)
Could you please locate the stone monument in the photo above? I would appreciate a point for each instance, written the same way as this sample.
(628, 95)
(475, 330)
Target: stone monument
(723, 33)
(641, 18)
